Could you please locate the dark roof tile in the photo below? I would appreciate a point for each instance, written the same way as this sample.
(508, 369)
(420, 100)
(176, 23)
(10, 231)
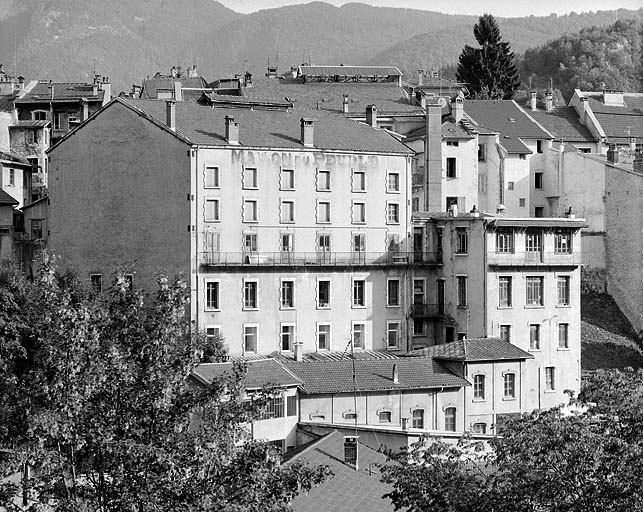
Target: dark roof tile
(63, 91)
(504, 116)
(474, 349)
(563, 123)
(266, 372)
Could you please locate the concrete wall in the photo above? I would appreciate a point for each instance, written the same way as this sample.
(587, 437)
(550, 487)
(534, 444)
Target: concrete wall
(118, 191)
(21, 187)
(274, 429)
(6, 119)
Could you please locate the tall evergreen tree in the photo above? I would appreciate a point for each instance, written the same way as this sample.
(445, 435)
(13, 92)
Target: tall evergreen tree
(489, 70)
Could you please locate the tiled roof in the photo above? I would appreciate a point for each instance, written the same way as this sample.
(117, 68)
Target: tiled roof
(34, 203)
(450, 130)
(474, 349)
(388, 97)
(349, 70)
(373, 375)
(349, 490)
(224, 100)
(63, 91)
(29, 124)
(538, 222)
(514, 145)
(563, 123)
(266, 372)
(504, 116)
(151, 86)
(13, 157)
(269, 128)
(6, 102)
(620, 127)
(5, 198)
(338, 356)
(632, 105)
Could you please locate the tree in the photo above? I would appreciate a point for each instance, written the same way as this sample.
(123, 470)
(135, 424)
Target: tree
(489, 70)
(99, 404)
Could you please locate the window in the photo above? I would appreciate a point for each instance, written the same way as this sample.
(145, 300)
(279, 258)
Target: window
(522, 202)
(250, 242)
(323, 211)
(359, 246)
(359, 332)
(359, 293)
(563, 290)
(505, 241)
(534, 291)
(249, 177)
(482, 152)
(415, 204)
(419, 327)
(250, 210)
(482, 183)
(510, 186)
(478, 387)
(72, 119)
(291, 405)
(323, 336)
(563, 242)
(550, 378)
(323, 181)
(287, 294)
(32, 137)
(250, 335)
(384, 416)
(213, 332)
(539, 147)
(323, 294)
(287, 242)
(211, 295)
(479, 428)
(392, 213)
(453, 143)
(534, 337)
(462, 241)
(563, 335)
(451, 167)
(451, 201)
(211, 210)
(539, 211)
(449, 419)
(504, 291)
(287, 337)
(505, 333)
(359, 213)
(419, 289)
(287, 211)
(250, 295)
(523, 156)
(509, 386)
(287, 179)
(538, 180)
(58, 120)
(359, 181)
(462, 291)
(533, 241)
(392, 334)
(36, 229)
(96, 282)
(12, 178)
(211, 177)
(323, 248)
(273, 409)
(39, 115)
(393, 292)
(393, 182)
(418, 418)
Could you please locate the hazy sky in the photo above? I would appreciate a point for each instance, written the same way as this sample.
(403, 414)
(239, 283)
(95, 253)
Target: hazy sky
(498, 8)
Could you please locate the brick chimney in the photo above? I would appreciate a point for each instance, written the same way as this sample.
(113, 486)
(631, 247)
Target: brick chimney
(170, 114)
(178, 91)
(307, 131)
(231, 130)
(533, 101)
(549, 101)
(345, 104)
(351, 451)
(371, 115)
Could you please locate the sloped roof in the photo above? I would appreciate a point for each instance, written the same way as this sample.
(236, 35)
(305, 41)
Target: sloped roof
(632, 104)
(349, 490)
(474, 349)
(225, 100)
(29, 123)
(271, 129)
(388, 97)
(5, 198)
(563, 123)
(6, 102)
(514, 145)
(63, 91)
(504, 116)
(450, 130)
(151, 86)
(13, 158)
(373, 375)
(620, 127)
(538, 222)
(266, 372)
(350, 70)
(338, 356)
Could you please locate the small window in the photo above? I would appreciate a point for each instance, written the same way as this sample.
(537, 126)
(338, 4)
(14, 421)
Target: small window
(462, 291)
(393, 182)
(359, 293)
(250, 337)
(479, 428)
(36, 229)
(287, 294)
(392, 334)
(523, 156)
(323, 294)
(482, 152)
(505, 241)
(287, 179)
(451, 167)
(393, 292)
(323, 181)
(505, 333)
(32, 137)
(287, 337)
(538, 180)
(211, 177)
(250, 210)
(450, 419)
(384, 416)
(291, 405)
(509, 385)
(539, 147)
(479, 387)
(287, 242)
(418, 418)
(563, 290)
(250, 242)
(323, 336)
(359, 213)
(249, 177)
(287, 212)
(359, 181)
(504, 291)
(511, 185)
(323, 212)
(415, 204)
(534, 290)
(482, 183)
(462, 241)
(212, 210)
(392, 213)
(563, 335)
(359, 333)
(39, 115)
(96, 282)
(563, 242)
(550, 378)
(522, 202)
(213, 332)
(539, 211)
(359, 246)
(419, 327)
(534, 337)
(453, 143)
(250, 295)
(212, 295)
(12, 178)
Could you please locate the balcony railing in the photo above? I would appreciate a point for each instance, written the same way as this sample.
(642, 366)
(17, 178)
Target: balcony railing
(426, 310)
(534, 258)
(316, 258)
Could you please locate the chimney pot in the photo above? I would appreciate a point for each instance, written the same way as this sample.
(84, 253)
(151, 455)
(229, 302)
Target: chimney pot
(371, 115)
(458, 109)
(307, 132)
(178, 91)
(170, 114)
(298, 352)
(351, 451)
(396, 374)
(231, 130)
(533, 101)
(420, 76)
(549, 101)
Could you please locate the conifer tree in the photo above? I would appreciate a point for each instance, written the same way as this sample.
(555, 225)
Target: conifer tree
(489, 70)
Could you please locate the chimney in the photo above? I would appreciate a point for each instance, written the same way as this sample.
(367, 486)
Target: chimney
(613, 154)
(396, 374)
(533, 102)
(632, 144)
(85, 108)
(371, 115)
(583, 108)
(474, 211)
(453, 210)
(170, 114)
(21, 81)
(231, 130)
(192, 73)
(549, 101)
(570, 213)
(307, 132)
(423, 102)
(350, 452)
(458, 109)
(178, 91)
(95, 88)
(420, 77)
(107, 90)
(345, 104)
(433, 159)
(298, 352)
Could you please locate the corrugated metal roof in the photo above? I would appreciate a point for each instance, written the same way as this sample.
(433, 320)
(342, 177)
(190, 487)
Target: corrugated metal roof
(30, 124)
(349, 70)
(474, 349)
(266, 372)
(539, 222)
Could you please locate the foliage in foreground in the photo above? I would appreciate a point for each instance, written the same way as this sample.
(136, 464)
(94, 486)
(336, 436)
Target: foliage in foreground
(546, 461)
(94, 395)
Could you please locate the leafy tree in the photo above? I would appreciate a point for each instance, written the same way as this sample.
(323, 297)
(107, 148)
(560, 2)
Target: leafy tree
(489, 70)
(98, 402)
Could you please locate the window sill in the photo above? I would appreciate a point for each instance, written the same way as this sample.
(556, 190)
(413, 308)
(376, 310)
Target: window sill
(462, 307)
(250, 221)
(419, 335)
(324, 307)
(250, 188)
(324, 190)
(357, 307)
(250, 309)
(549, 391)
(286, 222)
(478, 400)
(323, 222)
(286, 308)
(287, 189)
(462, 254)
(392, 191)
(564, 306)
(358, 222)
(563, 349)
(393, 306)
(505, 307)
(212, 310)
(358, 191)
(508, 398)
(211, 188)
(535, 350)
(211, 220)
(528, 306)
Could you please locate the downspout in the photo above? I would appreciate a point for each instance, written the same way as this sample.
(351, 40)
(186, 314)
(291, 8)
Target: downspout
(194, 235)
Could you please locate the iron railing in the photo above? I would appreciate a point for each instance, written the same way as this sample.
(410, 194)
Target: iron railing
(426, 310)
(534, 258)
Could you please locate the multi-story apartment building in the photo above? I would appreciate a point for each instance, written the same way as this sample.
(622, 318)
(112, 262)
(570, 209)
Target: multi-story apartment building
(293, 226)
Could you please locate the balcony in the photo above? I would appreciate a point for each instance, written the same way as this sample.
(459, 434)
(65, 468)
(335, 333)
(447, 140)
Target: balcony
(290, 258)
(425, 310)
(544, 259)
